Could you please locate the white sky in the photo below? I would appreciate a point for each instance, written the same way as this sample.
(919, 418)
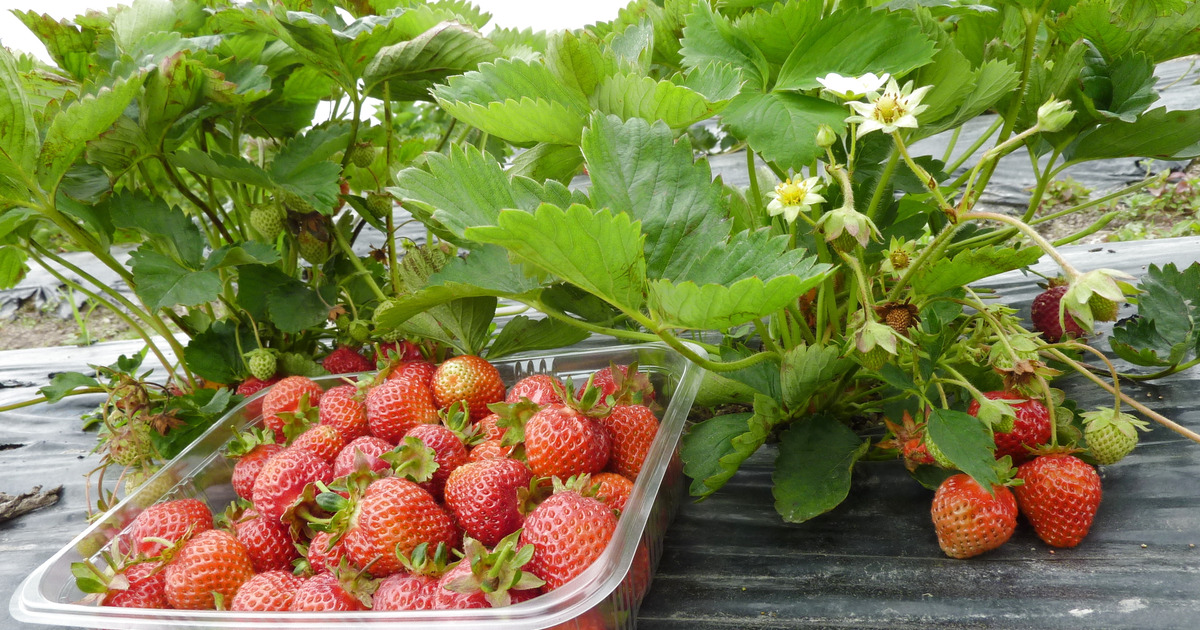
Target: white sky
(536, 14)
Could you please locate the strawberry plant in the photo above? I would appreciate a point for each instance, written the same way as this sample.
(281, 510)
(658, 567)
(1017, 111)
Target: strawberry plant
(840, 289)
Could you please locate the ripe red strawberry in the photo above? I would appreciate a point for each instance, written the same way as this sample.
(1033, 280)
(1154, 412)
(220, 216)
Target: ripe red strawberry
(484, 497)
(324, 593)
(613, 489)
(270, 591)
(252, 386)
(968, 520)
(419, 369)
(468, 379)
(246, 470)
(369, 448)
(211, 563)
(489, 449)
(625, 388)
(283, 479)
(399, 404)
(343, 409)
(393, 517)
(170, 520)
(323, 556)
(285, 397)
(562, 442)
(449, 453)
(346, 360)
(143, 586)
(1059, 497)
(568, 532)
(268, 543)
(539, 388)
(407, 591)
(1044, 315)
(632, 428)
(1030, 428)
(323, 440)
(489, 428)
(487, 578)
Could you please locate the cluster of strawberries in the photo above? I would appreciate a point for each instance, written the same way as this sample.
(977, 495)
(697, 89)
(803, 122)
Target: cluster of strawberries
(424, 487)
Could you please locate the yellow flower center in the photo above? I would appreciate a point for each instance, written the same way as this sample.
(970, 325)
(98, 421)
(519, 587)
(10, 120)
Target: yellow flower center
(899, 259)
(888, 108)
(790, 193)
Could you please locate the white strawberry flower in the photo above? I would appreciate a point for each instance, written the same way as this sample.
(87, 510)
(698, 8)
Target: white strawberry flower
(890, 111)
(793, 196)
(850, 88)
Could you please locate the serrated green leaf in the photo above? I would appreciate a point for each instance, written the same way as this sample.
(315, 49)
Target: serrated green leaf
(717, 82)
(559, 162)
(990, 82)
(1167, 329)
(1156, 133)
(751, 254)
(246, 253)
(162, 283)
(633, 47)
(966, 442)
(255, 283)
(1139, 343)
(703, 447)
(301, 154)
(951, 76)
(633, 96)
(522, 334)
(165, 226)
(18, 130)
(410, 68)
(812, 471)
(805, 369)
(468, 320)
(463, 189)
(119, 148)
(970, 265)
(12, 266)
(779, 31)
(719, 307)
(133, 22)
(595, 251)
(64, 383)
(70, 46)
(710, 37)
(78, 123)
(782, 126)
(294, 306)
(576, 59)
(637, 167)
(214, 163)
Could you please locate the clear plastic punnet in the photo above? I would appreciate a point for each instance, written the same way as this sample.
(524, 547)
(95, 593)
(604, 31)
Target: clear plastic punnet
(605, 596)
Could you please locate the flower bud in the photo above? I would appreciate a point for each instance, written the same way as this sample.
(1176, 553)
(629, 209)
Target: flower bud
(825, 136)
(1054, 115)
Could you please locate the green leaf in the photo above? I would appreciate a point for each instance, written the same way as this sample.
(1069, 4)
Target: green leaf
(64, 383)
(78, 123)
(70, 46)
(709, 37)
(638, 168)
(577, 60)
(303, 165)
(12, 266)
(717, 82)
(468, 320)
(133, 22)
(1167, 328)
(805, 369)
(246, 253)
(162, 283)
(167, 227)
(778, 32)
(1157, 133)
(855, 42)
(633, 47)
(214, 163)
(595, 251)
(293, 306)
(465, 188)
(522, 334)
(951, 76)
(255, 283)
(812, 471)
(991, 82)
(559, 162)
(970, 265)
(18, 130)
(719, 307)
(411, 68)
(763, 377)
(633, 96)
(782, 126)
(966, 442)
(714, 449)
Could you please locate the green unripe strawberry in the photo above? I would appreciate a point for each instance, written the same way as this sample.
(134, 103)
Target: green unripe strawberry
(874, 358)
(293, 202)
(379, 204)
(261, 363)
(1110, 435)
(936, 453)
(267, 220)
(130, 444)
(362, 155)
(313, 249)
(359, 331)
(845, 242)
(149, 494)
(1103, 309)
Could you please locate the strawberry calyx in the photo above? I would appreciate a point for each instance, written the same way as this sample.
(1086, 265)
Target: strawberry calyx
(457, 418)
(412, 459)
(529, 497)
(247, 441)
(298, 421)
(632, 386)
(512, 418)
(1048, 450)
(421, 562)
(589, 401)
(357, 583)
(497, 571)
(579, 484)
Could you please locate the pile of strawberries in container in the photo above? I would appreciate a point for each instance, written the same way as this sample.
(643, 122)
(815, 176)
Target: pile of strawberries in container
(422, 487)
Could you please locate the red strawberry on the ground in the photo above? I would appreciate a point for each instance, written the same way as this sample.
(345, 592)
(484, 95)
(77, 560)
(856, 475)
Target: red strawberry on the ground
(343, 409)
(323, 555)
(210, 564)
(141, 585)
(1044, 315)
(325, 592)
(539, 388)
(171, 521)
(284, 397)
(468, 379)
(632, 428)
(267, 543)
(968, 520)
(568, 532)
(399, 404)
(613, 489)
(1059, 497)
(270, 591)
(485, 497)
(562, 442)
(323, 440)
(393, 516)
(346, 360)
(1030, 428)
(283, 478)
(367, 448)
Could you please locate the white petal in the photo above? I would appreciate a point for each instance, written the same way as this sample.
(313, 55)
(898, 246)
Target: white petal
(870, 125)
(775, 207)
(919, 94)
(863, 109)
